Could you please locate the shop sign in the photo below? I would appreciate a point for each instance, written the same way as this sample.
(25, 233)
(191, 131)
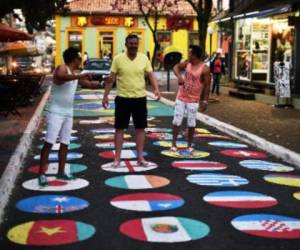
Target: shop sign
(102, 20)
(176, 23)
(84, 21)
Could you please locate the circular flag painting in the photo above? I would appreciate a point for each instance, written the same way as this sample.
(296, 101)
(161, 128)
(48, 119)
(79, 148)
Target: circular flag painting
(168, 144)
(137, 182)
(91, 106)
(244, 154)
(212, 136)
(240, 199)
(55, 184)
(97, 121)
(297, 196)
(268, 226)
(218, 180)
(56, 146)
(185, 154)
(202, 131)
(284, 179)
(109, 137)
(111, 145)
(52, 168)
(50, 232)
(266, 166)
(52, 204)
(125, 154)
(147, 202)
(225, 144)
(54, 156)
(103, 131)
(158, 130)
(161, 136)
(165, 229)
(128, 167)
(196, 165)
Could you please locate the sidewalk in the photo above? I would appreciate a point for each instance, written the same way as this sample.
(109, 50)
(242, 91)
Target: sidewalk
(280, 126)
(13, 127)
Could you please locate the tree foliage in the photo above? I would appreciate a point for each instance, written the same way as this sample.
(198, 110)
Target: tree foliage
(36, 12)
(203, 9)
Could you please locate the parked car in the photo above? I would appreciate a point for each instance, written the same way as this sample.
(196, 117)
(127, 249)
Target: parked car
(99, 67)
(26, 65)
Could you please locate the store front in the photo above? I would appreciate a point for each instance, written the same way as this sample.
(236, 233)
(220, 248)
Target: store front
(259, 44)
(100, 31)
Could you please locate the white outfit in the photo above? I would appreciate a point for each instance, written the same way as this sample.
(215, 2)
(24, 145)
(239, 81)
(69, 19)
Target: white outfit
(58, 127)
(182, 108)
(60, 112)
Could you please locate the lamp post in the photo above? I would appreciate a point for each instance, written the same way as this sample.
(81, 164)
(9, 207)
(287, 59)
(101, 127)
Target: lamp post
(210, 31)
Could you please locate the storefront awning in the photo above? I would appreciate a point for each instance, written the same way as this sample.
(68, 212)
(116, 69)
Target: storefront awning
(265, 13)
(258, 11)
(8, 34)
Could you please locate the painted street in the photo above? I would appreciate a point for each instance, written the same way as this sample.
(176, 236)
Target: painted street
(224, 195)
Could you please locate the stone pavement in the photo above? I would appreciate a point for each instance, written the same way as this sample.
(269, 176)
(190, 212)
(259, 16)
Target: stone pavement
(225, 195)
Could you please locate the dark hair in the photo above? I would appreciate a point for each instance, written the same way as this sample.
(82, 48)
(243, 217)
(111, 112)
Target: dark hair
(71, 54)
(132, 36)
(196, 51)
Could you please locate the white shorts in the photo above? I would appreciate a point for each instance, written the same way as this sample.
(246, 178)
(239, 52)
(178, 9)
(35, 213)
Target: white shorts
(182, 108)
(59, 128)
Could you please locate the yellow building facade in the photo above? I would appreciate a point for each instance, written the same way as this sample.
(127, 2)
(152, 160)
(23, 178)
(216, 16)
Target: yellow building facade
(100, 35)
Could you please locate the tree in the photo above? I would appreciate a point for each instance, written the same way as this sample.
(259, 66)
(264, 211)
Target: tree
(151, 9)
(36, 12)
(203, 10)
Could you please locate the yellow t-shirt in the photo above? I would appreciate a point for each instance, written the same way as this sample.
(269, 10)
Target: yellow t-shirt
(131, 75)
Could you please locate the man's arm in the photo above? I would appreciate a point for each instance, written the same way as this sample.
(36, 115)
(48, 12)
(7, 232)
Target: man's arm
(206, 79)
(61, 75)
(85, 83)
(154, 84)
(108, 85)
(177, 71)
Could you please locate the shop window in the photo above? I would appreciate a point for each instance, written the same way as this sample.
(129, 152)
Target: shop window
(282, 45)
(193, 38)
(260, 51)
(243, 50)
(75, 40)
(106, 44)
(164, 38)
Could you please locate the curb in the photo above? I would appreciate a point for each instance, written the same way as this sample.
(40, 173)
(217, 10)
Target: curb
(15, 163)
(252, 139)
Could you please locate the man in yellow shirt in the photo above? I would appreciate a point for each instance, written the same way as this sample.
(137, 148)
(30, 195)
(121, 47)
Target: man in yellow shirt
(129, 70)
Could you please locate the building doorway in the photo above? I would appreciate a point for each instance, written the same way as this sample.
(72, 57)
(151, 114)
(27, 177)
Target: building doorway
(106, 44)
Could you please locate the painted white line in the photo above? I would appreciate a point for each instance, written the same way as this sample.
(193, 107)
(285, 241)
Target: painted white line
(15, 164)
(276, 150)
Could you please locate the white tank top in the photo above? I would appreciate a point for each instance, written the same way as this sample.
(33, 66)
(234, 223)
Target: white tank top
(61, 99)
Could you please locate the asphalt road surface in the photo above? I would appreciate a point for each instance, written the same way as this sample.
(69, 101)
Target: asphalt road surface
(225, 195)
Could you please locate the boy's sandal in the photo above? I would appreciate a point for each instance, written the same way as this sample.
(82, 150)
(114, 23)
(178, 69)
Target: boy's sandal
(42, 179)
(144, 164)
(190, 150)
(174, 149)
(116, 164)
